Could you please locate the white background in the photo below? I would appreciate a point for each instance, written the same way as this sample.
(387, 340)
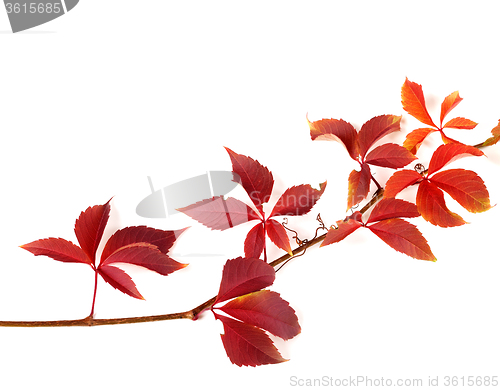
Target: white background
(94, 102)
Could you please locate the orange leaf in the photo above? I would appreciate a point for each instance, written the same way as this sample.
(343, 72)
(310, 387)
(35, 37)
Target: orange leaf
(449, 103)
(399, 181)
(495, 136)
(359, 186)
(388, 208)
(344, 228)
(466, 187)
(446, 154)
(403, 237)
(432, 206)
(413, 101)
(415, 138)
(460, 123)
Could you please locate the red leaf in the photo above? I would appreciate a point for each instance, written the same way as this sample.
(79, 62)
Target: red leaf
(247, 345)
(449, 103)
(298, 200)
(466, 187)
(495, 136)
(344, 228)
(58, 249)
(255, 241)
(403, 237)
(415, 138)
(432, 206)
(255, 178)
(120, 280)
(399, 181)
(242, 276)
(359, 186)
(336, 130)
(144, 255)
(267, 310)
(375, 129)
(163, 239)
(445, 154)
(219, 213)
(460, 123)
(393, 208)
(277, 233)
(390, 156)
(413, 101)
(89, 228)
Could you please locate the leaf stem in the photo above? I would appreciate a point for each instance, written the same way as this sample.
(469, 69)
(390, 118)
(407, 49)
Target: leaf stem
(95, 293)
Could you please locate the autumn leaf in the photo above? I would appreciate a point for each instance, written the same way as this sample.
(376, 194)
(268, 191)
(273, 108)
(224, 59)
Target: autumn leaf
(120, 280)
(375, 129)
(359, 185)
(446, 154)
(392, 208)
(297, 200)
(413, 101)
(242, 276)
(495, 132)
(336, 130)
(390, 156)
(58, 249)
(278, 235)
(343, 229)
(415, 138)
(247, 345)
(401, 180)
(460, 123)
(449, 103)
(266, 310)
(403, 237)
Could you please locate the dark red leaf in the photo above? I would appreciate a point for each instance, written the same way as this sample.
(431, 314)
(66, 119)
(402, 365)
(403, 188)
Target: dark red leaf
(120, 280)
(432, 206)
(445, 154)
(403, 237)
(255, 178)
(495, 136)
(219, 213)
(460, 123)
(242, 276)
(255, 241)
(415, 138)
(336, 130)
(163, 239)
(390, 156)
(297, 200)
(359, 185)
(58, 249)
(449, 103)
(277, 233)
(413, 101)
(267, 310)
(247, 345)
(393, 208)
(89, 228)
(344, 228)
(466, 187)
(375, 129)
(144, 255)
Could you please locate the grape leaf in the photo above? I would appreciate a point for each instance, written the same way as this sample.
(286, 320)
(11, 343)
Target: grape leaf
(413, 101)
(359, 185)
(58, 249)
(247, 345)
(399, 181)
(242, 276)
(466, 187)
(336, 130)
(344, 228)
(446, 154)
(219, 213)
(390, 156)
(432, 206)
(277, 233)
(449, 103)
(460, 123)
(90, 226)
(297, 200)
(255, 178)
(255, 241)
(120, 280)
(403, 237)
(388, 208)
(415, 138)
(375, 129)
(267, 310)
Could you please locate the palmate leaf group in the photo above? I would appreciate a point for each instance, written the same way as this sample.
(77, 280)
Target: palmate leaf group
(139, 245)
